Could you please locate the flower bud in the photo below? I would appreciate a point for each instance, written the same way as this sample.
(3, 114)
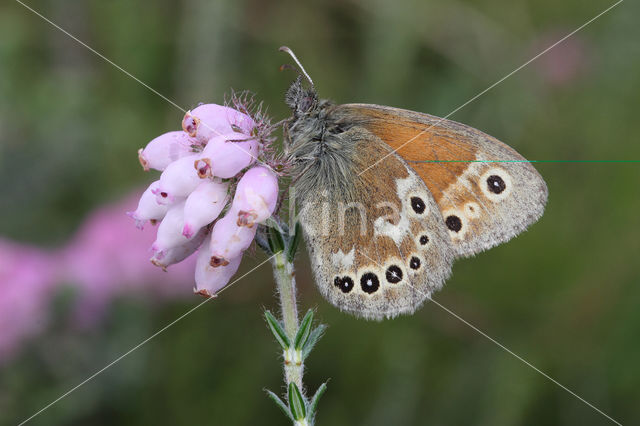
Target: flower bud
(170, 230)
(229, 154)
(165, 258)
(256, 196)
(165, 149)
(210, 279)
(228, 240)
(179, 179)
(211, 120)
(204, 205)
(148, 208)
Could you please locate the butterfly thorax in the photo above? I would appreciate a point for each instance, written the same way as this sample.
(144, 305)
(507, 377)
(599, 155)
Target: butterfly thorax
(320, 153)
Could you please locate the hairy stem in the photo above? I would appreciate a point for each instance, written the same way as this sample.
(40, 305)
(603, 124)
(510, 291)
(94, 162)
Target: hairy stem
(286, 285)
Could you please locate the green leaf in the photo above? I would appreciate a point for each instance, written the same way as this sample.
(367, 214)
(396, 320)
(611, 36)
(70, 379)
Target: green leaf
(314, 401)
(277, 330)
(296, 402)
(294, 242)
(276, 242)
(280, 404)
(303, 330)
(314, 336)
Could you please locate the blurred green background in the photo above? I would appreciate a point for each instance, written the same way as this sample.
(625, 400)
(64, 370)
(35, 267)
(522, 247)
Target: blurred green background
(565, 295)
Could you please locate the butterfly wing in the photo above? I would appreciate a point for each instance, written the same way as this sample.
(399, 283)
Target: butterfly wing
(375, 239)
(487, 193)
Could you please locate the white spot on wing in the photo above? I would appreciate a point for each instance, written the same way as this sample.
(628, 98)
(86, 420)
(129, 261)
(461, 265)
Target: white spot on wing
(403, 186)
(343, 261)
(472, 210)
(396, 232)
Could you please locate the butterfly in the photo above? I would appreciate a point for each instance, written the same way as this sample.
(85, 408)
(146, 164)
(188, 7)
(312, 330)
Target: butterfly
(389, 198)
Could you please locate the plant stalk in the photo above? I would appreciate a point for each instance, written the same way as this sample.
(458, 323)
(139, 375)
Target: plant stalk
(286, 285)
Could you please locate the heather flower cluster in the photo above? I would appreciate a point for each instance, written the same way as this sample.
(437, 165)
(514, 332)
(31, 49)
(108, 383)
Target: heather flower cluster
(217, 184)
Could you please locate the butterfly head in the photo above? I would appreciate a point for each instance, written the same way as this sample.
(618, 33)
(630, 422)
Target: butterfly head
(302, 101)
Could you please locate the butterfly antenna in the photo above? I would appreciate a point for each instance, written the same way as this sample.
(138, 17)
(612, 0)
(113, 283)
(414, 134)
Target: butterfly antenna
(293, 55)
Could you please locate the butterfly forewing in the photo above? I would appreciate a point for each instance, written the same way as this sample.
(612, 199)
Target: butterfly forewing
(486, 192)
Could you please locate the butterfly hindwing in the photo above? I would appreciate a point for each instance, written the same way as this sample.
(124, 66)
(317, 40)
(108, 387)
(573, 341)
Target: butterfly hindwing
(377, 244)
(487, 193)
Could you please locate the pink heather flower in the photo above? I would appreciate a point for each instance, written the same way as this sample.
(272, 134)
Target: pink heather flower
(211, 279)
(148, 208)
(165, 258)
(229, 154)
(204, 205)
(170, 230)
(178, 180)
(165, 149)
(256, 196)
(228, 240)
(211, 120)
(219, 144)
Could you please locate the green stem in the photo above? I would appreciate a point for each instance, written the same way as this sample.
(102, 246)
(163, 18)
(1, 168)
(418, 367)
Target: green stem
(286, 285)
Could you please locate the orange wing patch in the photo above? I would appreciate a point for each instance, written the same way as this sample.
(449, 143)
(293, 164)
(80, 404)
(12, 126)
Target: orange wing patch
(433, 151)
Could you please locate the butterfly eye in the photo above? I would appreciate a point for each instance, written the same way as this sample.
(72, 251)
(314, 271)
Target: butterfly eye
(305, 104)
(496, 184)
(414, 263)
(369, 283)
(454, 223)
(424, 240)
(345, 284)
(394, 274)
(418, 205)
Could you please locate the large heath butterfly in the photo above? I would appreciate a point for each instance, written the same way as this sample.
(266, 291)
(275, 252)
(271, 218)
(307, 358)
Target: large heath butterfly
(389, 198)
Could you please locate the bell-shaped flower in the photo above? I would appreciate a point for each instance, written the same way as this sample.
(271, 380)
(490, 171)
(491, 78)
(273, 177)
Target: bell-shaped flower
(228, 240)
(212, 277)
(170, 230)
(170, 256)
(256, 196)
(165, 149)
(211, 120)
(178, 180)
(204, 205)
(215, 154)
(148, 208)
(229, 154)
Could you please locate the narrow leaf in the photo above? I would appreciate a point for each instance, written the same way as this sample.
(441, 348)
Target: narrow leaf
(304, 330)
(280, 404)
(276, 242)
(314, 336)
(296, 402)
(294, 242)
(277, 330)
(314, 401)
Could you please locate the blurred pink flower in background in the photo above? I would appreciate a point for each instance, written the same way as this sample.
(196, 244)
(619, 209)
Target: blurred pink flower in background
(27, 281)
(104, 260)
(565, 62)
